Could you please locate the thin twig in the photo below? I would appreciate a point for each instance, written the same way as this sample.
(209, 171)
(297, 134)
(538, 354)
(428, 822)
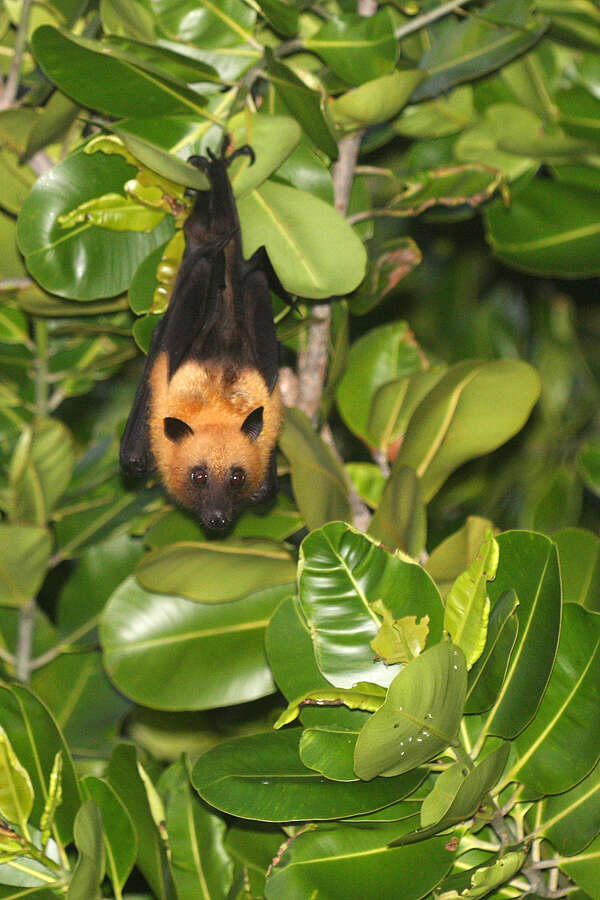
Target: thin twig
(25, 641)
(431, 16)
(65, 644)
(11, 88)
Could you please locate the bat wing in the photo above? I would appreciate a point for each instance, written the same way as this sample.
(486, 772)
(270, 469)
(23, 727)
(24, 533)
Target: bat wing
(190, 308)
(260, 279)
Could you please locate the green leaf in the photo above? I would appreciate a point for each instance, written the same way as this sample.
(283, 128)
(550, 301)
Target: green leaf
(362, 695)
(318, 479)
(215, 572)
(341, 574)
(398, 640)
(437, 118)
(483, 141)
(13, 325)
(368, 480)
(273, 138)
(24, 555)
(348, 855)
(566, 716)
(329, 749)
(400, 520)
(457, 552)
(550, 228)
(375, 101)
(262, 777)
(281, 16)
(53, 800)
(89, 870)
(290, 224)
(395, 401)
(458, 791)
(93, 74)
(488, 673)
(114, 212)
(583, 869)
(87, 262)
(40, 470)
(305, 105)
(529, 567)
(199, 859)
(579, 556)
(419, 718)
(468, 185)
(356, 48)
(398, 257)
(36, 740)
(16, 791)
(171, 653)
(291, 657)
(387, 354)
(466, 50)
(254, 846)
(123, 776)
(445, 430)
(588, 462)
(130, 18)
(486, 878)
(571, 820)
(467, 608)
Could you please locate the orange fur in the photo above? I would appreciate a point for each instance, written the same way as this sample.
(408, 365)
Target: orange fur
(214, 406)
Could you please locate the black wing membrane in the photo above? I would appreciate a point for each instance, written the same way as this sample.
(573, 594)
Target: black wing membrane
(221, 306)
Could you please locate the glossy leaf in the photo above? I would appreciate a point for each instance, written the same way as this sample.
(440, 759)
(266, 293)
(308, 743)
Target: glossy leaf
(262, 777)
(341, 574)
(467, 608)
(106, 261)
(36, 740)
(24, 554)
(291, 657)
(385, 354)
(356, 48)
(550, 228)
(318, 478)
(583, 869)
(446, 428)
(476, 46)
(89, 870)
(123, 776)
(218, 649)
(350, 855)
(375, 101)
(215, 572)
(290, 223)
(329, 749)
(199, 859)
(487, 675)
(529, 567)
(571, 820)
(579, 556)
(458, 792)
(486, 878)
(457, 552)
(93, 75)
(16, 792)
(120, 840)
(364, 695)
(419, 718)
(304, 104)
(565, 717)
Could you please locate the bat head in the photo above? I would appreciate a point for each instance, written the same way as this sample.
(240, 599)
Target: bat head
(212, 470)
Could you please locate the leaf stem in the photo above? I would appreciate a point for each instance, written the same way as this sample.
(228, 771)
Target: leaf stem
(40, 328)
(64, 645)
(11, 87)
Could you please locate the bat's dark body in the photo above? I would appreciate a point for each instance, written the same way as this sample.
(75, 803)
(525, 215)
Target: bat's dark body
(207, 410)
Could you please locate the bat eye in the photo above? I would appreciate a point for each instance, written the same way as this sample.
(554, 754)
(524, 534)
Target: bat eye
(199, 475)
(237, 478)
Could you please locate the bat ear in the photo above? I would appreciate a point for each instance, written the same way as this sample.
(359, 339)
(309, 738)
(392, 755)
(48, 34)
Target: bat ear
(253, 423)
(176, 429)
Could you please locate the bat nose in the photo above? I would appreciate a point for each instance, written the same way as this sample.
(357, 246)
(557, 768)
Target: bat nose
(217, 519)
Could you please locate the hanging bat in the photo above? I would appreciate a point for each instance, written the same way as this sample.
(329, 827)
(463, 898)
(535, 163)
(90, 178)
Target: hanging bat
(208, 410)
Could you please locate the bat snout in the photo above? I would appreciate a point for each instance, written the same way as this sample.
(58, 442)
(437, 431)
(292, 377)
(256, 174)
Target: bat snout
(217, 520)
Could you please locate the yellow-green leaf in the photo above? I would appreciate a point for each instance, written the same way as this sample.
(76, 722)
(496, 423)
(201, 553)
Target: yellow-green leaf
(468, 605)
(398, 640)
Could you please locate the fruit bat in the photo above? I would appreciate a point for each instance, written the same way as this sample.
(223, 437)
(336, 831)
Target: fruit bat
(208, 409)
